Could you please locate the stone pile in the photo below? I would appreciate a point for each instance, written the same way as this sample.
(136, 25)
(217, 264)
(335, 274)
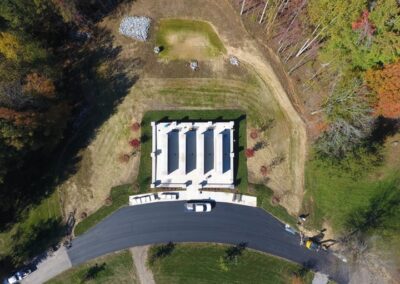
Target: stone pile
(234, 60)
(135, 27)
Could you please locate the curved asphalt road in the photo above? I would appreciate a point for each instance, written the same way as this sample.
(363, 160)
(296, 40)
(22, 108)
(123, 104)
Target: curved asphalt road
(227, 223)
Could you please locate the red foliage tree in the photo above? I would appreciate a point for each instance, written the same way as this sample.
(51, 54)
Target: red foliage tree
(386, 84)
(136, 126)
(25, 118)
(264, 170)
(366, 28)
(135, 143)
(254, 134)
(124, 158)
(39, 84)
(249, 152)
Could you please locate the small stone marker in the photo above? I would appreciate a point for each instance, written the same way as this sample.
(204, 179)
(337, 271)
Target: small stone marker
(194, 65)
(157, 50)
(233, 60)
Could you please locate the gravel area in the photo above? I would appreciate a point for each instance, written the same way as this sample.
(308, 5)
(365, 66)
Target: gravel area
(135, 27)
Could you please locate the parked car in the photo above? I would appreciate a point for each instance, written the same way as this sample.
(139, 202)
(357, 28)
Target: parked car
(18, 276)
(198, 206)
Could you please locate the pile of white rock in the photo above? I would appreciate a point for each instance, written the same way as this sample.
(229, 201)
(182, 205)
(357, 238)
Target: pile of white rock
(135, 27)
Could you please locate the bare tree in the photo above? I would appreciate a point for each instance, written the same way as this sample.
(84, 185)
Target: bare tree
(242, 9)
(263, 12)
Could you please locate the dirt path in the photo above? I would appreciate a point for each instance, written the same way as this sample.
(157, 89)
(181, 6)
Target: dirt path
(250, 55)
(139, 255)
(246, 49)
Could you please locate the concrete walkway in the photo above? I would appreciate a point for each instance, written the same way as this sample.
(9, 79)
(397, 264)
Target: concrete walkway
(193, 194)
(139, 255)
(49, 267)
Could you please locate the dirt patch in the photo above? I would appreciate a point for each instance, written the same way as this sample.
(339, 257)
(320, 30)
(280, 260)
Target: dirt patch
(188, 46)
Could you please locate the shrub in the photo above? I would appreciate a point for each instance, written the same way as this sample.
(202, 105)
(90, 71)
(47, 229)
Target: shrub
(135, 143)
(135, 127)
(249, 152)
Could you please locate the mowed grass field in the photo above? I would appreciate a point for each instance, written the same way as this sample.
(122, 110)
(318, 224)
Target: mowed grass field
(203, 263)
(335, 194)
(112, 268)
(38, 218)
(182, 38)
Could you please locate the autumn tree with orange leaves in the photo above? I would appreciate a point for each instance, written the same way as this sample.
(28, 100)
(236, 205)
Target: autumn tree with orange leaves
(38, 84)
(386, 84)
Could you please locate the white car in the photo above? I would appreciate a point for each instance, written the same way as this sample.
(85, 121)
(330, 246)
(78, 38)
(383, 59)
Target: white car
(198, 206)
(17, 277)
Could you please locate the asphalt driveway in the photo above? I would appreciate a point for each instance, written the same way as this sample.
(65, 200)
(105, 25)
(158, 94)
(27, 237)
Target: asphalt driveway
(227, 223)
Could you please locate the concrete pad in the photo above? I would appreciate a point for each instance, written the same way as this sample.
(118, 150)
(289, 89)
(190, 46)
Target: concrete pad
(50, 267)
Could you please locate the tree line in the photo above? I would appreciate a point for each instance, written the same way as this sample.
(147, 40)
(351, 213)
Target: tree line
(351, 49)
(37, 99)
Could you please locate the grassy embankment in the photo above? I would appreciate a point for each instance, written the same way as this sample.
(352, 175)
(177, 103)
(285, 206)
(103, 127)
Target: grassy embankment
(119, 196)
(33, 234)
(204, 263)
(112, 268)
(264, 200)
(176, 37)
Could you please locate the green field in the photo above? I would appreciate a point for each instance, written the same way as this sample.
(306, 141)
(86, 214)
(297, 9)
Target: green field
(204, 263)
(183, 30)
(39, 228)
(119, 196)
(334, 194)
(112, 268)
(144, 177)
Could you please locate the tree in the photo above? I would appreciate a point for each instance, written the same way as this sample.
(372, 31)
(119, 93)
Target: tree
(38, 84)
(340, 139)
(9, 46)
(16, 48)
(249, 152)
(365, 27)
(342, 36)
(348, 101)
(386, 84)
(135, 143)
(38, 18)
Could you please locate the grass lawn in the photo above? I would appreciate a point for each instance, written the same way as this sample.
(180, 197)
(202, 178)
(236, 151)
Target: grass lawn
(334, 194)
(264, 200)
(119, 196)
(32, 235)
(203, 263)
(144, 177)
(112, 268)
(187, 39)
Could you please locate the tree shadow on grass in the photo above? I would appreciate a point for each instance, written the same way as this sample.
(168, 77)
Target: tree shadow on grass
(160, 251)
(93, 272)
(382, 211)
(233, 252)
(31, 241)
(383, 128)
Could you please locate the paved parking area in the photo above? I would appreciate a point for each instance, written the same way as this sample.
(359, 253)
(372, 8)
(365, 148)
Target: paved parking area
(49, 267)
